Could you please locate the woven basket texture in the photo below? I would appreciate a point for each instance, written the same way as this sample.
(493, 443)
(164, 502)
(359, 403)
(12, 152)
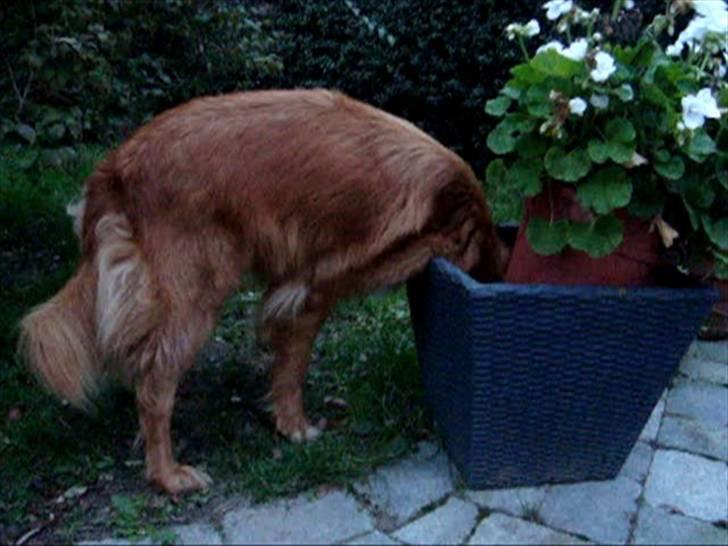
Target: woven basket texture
(534, 384)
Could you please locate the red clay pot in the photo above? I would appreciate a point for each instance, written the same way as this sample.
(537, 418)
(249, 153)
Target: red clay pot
(632, 264)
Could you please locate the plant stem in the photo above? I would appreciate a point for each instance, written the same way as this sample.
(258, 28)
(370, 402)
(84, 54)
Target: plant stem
(615, 9)
(523, 48)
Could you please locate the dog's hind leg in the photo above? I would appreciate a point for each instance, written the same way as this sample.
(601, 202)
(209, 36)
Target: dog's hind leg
(166, 359)
(291, 339)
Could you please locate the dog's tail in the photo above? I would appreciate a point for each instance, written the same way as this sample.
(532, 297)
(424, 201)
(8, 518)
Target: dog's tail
(100, 316)
(57, 340)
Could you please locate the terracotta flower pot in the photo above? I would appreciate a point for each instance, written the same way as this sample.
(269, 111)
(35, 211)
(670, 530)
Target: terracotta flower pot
(632, 264)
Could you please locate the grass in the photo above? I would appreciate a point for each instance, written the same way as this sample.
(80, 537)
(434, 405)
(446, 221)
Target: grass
(76, 475)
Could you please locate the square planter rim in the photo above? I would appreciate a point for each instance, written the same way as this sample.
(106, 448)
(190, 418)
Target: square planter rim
(476, 288)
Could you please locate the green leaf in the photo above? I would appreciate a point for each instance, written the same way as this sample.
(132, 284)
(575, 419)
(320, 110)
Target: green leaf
(511, 92)
(718, 233)
(721, 264)
(552, 63)
(530, 145)
(56, 131)
(606, 190)
(498, 106)
(620, 130)
(538, 101)
(647, 200)
(673, 169)
(568, 167)
(653, 94)
(525, 174)
(524, 74)
(546, 237)
(496, 172)
(700, 147)
(598, 151)
(625, 92)
(597, 239)
(501, 140)
(700, 194)
(621, 136)
(26, 131)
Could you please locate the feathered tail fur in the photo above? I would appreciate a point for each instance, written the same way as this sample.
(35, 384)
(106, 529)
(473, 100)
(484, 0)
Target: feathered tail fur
(99, 316)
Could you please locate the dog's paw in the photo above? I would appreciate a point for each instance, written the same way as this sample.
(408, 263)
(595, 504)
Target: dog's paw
(300, 430)
(182, 478)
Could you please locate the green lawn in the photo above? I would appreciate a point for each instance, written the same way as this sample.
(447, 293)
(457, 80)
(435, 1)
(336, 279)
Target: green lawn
(83, 469)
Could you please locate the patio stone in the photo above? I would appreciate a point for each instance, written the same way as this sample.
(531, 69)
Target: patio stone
(694, 436)
(600, 511)
(502, 529)
(705, 370)
(649, 433)
(655, 526)
(710, 350)
(374, 538)
(198, 533)
(404, 488)
(700, 401)
(449, 524)
(638, 462)
(692, 485)
(519, 501)
(334, 517)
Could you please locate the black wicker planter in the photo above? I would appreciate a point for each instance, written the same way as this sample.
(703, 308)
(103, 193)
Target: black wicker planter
(544, 384)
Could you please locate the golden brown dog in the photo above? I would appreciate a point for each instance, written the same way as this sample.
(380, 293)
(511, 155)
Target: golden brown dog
(321, 196)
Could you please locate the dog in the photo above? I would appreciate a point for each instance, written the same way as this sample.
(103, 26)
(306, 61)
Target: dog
(319, 195)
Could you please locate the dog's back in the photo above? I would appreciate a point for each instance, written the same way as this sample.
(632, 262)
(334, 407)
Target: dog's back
(307, 173)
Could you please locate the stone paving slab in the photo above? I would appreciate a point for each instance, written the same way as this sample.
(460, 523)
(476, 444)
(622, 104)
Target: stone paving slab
(197, 533)
(374, 538)
(694, 436)
(649, 433)
(451, 523)
(518, 501)
(655, 526)
(600, 511)
(638, 463)
(503, 529)
(335, 517)
(691, 485)
(705, 370)
(404, 488)
(698, 400)
(710, 350)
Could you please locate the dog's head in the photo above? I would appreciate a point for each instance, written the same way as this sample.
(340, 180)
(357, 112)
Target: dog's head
(471, 240)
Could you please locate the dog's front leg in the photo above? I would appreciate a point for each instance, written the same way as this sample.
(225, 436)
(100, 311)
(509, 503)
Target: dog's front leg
(291, 340)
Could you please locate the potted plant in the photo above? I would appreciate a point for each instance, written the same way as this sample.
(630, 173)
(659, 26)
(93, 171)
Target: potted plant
(613, 154)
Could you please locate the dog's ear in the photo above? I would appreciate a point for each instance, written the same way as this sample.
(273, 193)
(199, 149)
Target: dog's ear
(461, 216)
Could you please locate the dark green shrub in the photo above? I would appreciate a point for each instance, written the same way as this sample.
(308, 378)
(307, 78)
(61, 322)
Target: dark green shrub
(92, 69)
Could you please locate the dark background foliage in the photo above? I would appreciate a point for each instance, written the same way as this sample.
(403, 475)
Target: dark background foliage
(92, 70)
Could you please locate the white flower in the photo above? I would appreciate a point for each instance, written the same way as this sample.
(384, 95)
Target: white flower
(553, 44)
(598, 36)
(577, 50)
(600, 102)
(532, 28)
(675, 50)
(556, 8)
(712, 18)
(712, 9)
(605, 67)
(529, 30)
(577, 106)
(698, 107)
(628, 4)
